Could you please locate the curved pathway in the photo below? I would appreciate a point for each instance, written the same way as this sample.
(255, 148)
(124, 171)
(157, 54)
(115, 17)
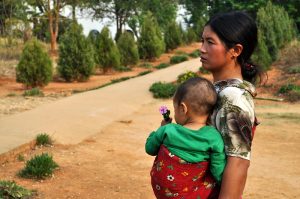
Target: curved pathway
(72, 119)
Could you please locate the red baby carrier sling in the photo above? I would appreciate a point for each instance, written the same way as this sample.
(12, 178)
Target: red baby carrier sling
(172, 177)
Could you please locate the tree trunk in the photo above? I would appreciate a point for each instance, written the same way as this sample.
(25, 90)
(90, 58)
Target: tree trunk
(53, 41)
(53, 29)
(2, 27)
(74, 11)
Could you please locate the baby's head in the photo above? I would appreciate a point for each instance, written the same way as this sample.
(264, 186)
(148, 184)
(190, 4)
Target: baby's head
(195, 97)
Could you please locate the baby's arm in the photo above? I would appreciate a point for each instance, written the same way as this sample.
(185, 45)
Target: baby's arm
(217, 158)
(154, 141)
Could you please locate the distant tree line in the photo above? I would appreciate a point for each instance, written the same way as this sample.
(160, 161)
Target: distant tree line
(153, 29)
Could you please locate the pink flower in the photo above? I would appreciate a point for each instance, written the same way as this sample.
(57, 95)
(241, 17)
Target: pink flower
(163, 110)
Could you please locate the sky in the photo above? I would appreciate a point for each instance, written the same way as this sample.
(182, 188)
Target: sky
(89, 24)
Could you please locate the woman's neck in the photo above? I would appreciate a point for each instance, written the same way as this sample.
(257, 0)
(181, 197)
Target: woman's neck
(229, 72)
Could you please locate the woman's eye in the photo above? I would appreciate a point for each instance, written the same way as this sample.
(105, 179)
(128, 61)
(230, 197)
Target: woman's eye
(210, 42)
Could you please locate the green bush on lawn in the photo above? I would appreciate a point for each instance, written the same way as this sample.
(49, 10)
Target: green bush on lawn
(178, 59)
(10, 190)
(163, 90)
(185, 76)
(39, 167)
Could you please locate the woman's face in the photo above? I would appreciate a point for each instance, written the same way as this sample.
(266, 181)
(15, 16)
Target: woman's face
(214, 55)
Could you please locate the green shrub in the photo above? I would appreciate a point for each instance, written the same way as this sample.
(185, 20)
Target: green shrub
(128, 49)
(144, 73)
(195, 54)
(108, 55)
(123, 69)
(275, 29)
(162, 65)
(21, 158)
(39, 167)
(11, 95)
(185, 76)
(266, 27)
(199, 26)
(120, 79)
(291, 91)
(203, 71)
(289, 87)
(172, 36)
(10, 190)
(33, 92)
(293, 96)
(43, 139)
(294, 70)
(178, 59)
(146, 65)
(183, 34)
(163, 90)
(35, 66)
(261, 54)
(191, 35)
(76, 55)
(151, 43)
(180, 52)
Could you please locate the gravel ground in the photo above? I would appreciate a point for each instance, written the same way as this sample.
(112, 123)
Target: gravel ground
(15, 104)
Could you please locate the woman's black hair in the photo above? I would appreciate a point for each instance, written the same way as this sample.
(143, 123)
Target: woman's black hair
(238, 28)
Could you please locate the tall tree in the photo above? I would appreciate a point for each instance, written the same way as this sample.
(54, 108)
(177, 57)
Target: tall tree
(195, 10)
(165, 11)
(117, 10)
(10, 9)
(151, 43)
(52, 9)
(107, 53)
(75, 4)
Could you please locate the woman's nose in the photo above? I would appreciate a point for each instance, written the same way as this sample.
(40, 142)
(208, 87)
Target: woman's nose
(202, 48)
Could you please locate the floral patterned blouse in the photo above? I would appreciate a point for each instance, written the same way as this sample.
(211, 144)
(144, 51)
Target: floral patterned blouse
(234, 116)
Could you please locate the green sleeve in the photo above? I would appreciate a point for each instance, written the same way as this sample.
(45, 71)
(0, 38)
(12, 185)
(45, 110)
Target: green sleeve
(154, 141)
(218, 158)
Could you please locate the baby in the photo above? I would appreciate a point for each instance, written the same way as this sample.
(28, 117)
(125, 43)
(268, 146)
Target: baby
(190, 156)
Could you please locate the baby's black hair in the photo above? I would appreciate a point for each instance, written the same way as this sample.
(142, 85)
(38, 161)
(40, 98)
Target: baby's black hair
(198, 93)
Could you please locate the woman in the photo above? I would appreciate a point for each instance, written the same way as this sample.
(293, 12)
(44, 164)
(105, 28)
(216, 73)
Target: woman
(228, 41)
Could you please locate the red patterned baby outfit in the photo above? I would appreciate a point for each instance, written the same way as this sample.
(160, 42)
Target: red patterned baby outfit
(172, 177)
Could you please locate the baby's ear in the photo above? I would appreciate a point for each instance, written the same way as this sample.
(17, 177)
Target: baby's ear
(183, 107)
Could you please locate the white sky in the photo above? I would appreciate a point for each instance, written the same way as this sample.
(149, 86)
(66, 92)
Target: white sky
(89, 24)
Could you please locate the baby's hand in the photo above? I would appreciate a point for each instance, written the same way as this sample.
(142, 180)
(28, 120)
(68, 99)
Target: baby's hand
(164, 122)
(165, 113)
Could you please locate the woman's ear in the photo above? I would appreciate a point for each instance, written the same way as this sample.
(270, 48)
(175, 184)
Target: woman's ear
(236, 50)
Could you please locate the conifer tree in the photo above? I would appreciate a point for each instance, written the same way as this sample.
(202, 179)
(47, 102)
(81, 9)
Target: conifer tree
(76, 55)
(151, 44)
(128, 49)
(107, 53)
(35, 66)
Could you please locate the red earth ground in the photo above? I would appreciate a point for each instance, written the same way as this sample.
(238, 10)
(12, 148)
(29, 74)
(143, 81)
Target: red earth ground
(113, 164)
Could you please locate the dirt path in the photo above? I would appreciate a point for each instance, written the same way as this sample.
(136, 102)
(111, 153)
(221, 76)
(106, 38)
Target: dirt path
(113, 164)
(275, 171)
(72, 119)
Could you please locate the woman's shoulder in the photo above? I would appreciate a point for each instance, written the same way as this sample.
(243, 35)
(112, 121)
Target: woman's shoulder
(236, 92)
(235, 87)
